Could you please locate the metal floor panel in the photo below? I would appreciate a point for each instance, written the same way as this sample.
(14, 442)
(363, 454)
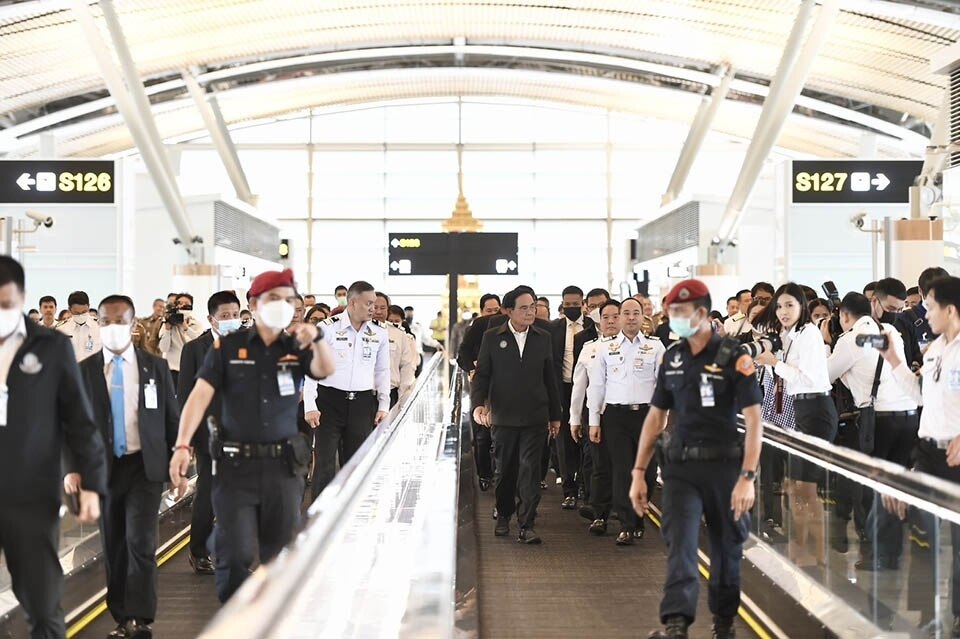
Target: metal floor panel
(574, 584)
(187, 603)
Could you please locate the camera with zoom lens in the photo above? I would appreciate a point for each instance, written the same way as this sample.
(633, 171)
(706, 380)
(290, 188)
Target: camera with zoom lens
(879, 342)
(769, 343)
(173, 316)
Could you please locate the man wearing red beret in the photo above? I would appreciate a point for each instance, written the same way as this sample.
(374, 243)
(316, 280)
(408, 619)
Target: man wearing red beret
(259, 457)
(708, 471)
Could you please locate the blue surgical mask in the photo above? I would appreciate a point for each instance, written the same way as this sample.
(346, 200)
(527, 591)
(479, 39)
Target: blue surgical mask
(225, 327)
(682, 327)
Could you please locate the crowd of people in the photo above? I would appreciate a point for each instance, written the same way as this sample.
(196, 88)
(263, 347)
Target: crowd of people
(281, 390)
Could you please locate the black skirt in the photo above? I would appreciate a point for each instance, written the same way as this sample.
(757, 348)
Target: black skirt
(816, 416)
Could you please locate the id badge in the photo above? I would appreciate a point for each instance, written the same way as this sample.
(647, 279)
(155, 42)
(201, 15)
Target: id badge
(150, 396)
(954, 379)
(367, 352)
(706, 393)
(285, 383)
(4, 396)
(637, 365)
(89, 343)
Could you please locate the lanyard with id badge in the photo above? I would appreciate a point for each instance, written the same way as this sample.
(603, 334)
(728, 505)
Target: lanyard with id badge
(150, 395)
(285, 380)
(707, 397)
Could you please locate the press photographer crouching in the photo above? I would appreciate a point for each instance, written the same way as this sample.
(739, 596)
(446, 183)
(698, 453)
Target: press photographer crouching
(885, 427)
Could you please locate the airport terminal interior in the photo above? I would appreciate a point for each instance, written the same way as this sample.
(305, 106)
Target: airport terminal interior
(422, 170)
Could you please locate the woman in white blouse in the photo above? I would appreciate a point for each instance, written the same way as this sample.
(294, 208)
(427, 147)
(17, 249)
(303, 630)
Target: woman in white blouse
(802, 365)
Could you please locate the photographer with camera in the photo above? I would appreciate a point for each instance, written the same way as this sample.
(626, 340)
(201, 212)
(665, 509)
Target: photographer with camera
(179, 327)
(887, 422)
(802, 364)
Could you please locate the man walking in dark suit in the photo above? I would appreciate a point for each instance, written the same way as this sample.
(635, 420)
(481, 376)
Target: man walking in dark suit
(135, 407)
(515, 394)
(224, 318)
(564, 331)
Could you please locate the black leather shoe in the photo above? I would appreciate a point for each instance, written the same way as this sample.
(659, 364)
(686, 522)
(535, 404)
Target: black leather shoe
(201, 565)
(598, 527)
(543, 485)
(120, 632)
(132, 629)
(569, 503)
(529, 536)
(638, 533)
(587, 512)
(502, 528)
(495, 514)
(485, 484)
(674, 628)
(625, 538)
(723, 628)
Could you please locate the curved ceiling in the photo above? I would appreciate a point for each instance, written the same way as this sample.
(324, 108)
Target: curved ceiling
(876, 57)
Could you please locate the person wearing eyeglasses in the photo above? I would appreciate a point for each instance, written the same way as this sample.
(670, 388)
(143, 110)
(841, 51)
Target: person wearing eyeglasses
(938, 389)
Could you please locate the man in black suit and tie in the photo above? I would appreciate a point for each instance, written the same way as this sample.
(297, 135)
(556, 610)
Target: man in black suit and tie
(515, 394)
(134, 405)
(224, 317)
(563, 332)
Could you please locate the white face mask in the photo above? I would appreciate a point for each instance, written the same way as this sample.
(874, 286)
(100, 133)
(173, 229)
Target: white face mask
(81, 319)
(276, 315)
(116, 337)
(9, 320)
(595, 315)
(225, 327)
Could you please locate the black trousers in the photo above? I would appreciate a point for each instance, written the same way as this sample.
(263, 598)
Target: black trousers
(201, 520)
(29, 538)
(482, 449)
(519, 450)
(342, 421)
(128, 527)
(933, 461)
(621, 428)
(601, 482)
(568, 451)
(394, 396)
(816, 416)
(257, 505)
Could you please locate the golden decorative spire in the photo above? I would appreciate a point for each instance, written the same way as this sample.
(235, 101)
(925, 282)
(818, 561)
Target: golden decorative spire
(462, 220)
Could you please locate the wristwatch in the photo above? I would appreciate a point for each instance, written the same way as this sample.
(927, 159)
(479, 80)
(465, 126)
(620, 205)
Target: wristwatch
(319, 337)
(748, 474)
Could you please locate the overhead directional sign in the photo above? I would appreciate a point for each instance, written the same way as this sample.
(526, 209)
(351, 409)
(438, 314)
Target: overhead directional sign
(445, 253)
(854, 181)
(57, 182)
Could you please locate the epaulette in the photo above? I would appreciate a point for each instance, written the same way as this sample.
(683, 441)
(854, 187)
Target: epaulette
(737, 317)
(675, 344)
(331, 320)
(377, 322)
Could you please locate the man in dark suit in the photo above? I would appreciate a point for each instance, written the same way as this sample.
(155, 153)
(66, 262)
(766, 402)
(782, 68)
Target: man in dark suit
(44, 410)
(514, 392)
(470, 347)
(224, 317)
(563, 332)
(135, 406)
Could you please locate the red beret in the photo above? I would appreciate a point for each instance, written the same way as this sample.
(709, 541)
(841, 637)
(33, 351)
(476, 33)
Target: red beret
(270, 280)
(687, 291)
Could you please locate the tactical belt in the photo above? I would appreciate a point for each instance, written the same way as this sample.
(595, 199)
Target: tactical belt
(704, 453)
(238, 450)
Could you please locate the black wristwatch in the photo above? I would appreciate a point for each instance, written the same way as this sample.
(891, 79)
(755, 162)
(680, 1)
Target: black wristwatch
(748, 474)
(319, 337)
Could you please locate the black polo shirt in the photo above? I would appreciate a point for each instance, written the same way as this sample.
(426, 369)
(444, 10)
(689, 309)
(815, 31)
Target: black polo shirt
(678, 389)
(247, 375)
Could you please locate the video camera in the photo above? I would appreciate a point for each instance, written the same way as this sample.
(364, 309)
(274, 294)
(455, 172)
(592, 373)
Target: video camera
(833, 296)
(769, 343)
(173, 315)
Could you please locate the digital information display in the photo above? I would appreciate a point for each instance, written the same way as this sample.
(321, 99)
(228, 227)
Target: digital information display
(57, 182)
(854, 181)
(444, 253)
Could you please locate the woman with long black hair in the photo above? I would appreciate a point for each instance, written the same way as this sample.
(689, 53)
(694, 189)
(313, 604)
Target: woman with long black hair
(802, 367)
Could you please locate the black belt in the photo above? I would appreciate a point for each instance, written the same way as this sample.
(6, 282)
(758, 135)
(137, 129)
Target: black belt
(349, 395)
(939, 444)
(897, 413)
(810, 395)
(240, 450)
(704, 453)
(633, 407)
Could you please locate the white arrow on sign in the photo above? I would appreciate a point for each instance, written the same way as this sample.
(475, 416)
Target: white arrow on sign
(881, 181)
(394, 243)
(394, 265)
(25, 181)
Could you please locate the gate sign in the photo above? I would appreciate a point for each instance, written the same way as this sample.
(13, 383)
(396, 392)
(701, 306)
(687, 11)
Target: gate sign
(444, 253)
(854, 181)
(57, 182)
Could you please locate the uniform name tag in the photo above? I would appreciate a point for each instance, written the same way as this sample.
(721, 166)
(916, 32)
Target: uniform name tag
(150, 395)
(4, 396)
(367, 352)
(707, 399)
(285, 383)
(954, 380)
(89, 343)
(637, 365)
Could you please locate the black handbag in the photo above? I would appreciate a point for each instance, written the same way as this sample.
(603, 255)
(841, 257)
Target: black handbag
(867, 416)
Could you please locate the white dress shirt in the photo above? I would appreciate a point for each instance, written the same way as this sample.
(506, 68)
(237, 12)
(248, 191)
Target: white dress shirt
(173, 338)
(521, 337)
(131, 393)
(403, 359)
(8, 351)
(362, 359)
(737, 324)
(572, 328)
(588, 358)
(805, 368)
(84, 337)
(940, 391)
(625, 373)
(857, 366)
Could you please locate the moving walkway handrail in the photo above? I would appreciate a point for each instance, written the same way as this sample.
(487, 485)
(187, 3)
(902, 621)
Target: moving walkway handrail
(256, 608)
(935, 495)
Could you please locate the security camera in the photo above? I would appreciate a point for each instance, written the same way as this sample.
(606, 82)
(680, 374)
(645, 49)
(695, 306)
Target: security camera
(859, 219)
(40, 218)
